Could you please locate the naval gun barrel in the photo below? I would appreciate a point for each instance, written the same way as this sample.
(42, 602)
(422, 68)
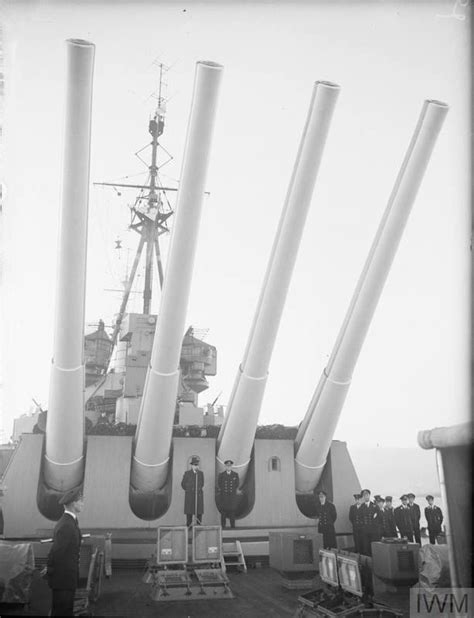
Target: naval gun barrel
(238, 431)
(155, 424)
(63, 465)
(317, 429)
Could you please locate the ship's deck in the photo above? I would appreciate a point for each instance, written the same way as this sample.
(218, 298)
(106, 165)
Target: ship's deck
(258, 594)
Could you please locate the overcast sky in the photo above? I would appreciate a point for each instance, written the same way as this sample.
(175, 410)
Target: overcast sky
(388, 57)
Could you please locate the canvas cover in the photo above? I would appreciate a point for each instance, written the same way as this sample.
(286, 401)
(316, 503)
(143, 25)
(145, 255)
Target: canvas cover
(434, 567)
(17, 565)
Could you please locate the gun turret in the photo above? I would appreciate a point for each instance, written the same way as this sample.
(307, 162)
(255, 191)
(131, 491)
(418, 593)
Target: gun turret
(63, 466)
(157, 410)
(317, 429)
(238, 431)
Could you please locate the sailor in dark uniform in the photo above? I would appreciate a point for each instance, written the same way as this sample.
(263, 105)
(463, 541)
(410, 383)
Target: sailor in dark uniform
(192, 483)
(228, 488)
(403, 519)
(434, 517)
(355, 517)
(63, 559)
(415, 515)
(367, 528)
(379, 519)
(326, 515)
(390, 527)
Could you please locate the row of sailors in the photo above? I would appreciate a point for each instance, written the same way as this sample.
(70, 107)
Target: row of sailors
(373, 520)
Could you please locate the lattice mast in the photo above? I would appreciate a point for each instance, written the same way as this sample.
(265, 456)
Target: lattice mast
(149, 217)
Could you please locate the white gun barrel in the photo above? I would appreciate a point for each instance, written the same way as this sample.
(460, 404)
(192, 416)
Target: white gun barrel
(237, 434)
(155, 425)
(317, 429)
(63, 466)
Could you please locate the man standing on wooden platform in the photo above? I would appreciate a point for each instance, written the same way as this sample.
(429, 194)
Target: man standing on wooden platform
(327, 515)
(63, 559)
(228, 488)
(192, 483)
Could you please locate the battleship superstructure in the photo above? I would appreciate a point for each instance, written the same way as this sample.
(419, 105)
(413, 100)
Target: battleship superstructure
(116, 365)
(118, 393)
(134, 482)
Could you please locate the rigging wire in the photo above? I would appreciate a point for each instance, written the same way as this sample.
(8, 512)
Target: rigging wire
(128, 176)
(104, 217)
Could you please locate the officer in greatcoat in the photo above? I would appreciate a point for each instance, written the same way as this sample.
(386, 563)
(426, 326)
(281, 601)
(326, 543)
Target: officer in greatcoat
(403, 519)
(415, 515)
(192, 483)
(367, 528)
(434, 517)
(228, 489)
(390, 527)
(355, 517)
(326, 515)
(63, 559)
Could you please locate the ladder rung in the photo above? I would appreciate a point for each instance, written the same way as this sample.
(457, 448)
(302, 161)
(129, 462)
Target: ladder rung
(233, 555)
